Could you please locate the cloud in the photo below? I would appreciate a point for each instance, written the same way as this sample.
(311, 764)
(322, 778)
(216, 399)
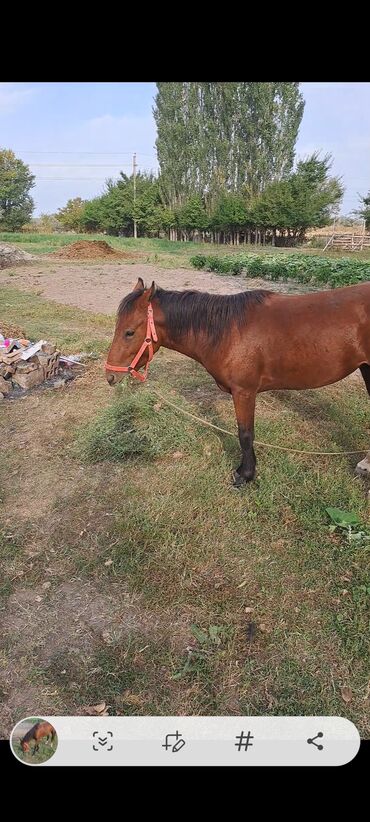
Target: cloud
(12, 95)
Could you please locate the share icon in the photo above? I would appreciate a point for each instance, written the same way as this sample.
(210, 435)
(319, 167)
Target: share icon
(312, 741)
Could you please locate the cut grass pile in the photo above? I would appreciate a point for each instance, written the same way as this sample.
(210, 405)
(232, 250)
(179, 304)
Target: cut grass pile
(135, 425)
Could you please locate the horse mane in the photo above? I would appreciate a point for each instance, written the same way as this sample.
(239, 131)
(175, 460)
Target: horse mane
(199, 311)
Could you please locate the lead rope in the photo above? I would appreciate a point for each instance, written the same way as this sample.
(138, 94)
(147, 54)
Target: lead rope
(256, 442)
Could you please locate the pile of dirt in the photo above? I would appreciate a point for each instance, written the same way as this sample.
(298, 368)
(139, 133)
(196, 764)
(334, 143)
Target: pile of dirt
(10, 256)
(92, 249)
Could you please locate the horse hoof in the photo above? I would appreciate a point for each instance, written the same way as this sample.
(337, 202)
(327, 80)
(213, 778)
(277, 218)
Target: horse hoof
(238, 481)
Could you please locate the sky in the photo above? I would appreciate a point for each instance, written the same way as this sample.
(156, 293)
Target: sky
(75, 135)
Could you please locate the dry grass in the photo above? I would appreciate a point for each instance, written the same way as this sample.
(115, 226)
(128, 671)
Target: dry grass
(147, 581)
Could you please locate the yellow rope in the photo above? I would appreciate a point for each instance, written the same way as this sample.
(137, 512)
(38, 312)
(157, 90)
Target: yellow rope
(257, 442)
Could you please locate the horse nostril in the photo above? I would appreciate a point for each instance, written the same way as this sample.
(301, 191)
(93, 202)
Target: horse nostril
(111, 379)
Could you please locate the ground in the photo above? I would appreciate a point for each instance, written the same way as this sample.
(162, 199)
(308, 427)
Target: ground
(148, 582)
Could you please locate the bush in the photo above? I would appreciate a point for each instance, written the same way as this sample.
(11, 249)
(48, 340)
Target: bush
(303, 268)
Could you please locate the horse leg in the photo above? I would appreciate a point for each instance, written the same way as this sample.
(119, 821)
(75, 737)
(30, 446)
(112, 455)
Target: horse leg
(363, 467)
(244, 404)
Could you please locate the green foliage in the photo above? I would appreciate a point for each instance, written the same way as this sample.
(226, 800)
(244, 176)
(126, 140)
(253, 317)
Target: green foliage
(365, 211)
(16, 181)
(192, 216)
(342, 518)
(303, 268)
(215, 137)
(302, 199)
(71, 215)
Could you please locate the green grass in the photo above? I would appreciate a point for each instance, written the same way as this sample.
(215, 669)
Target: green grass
(67, 327)
(162, 252)
(168, 551)
(303, 268)
(131, 427)
(46, 750)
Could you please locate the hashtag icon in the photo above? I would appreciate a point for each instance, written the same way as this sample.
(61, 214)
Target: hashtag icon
(244, 741)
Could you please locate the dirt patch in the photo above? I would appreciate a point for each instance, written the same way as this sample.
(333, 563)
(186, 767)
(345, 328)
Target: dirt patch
(50, 630)
(11, 331)
(92, 249)
(10, 256)
(100, 287)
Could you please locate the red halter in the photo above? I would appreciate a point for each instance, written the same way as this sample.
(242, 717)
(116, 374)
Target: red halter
(151, 335)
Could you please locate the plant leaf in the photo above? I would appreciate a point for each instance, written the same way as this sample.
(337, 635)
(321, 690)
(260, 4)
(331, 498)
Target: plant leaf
(342, 518)
(199, 634)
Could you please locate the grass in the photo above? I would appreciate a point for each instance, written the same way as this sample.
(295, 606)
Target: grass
(162, 252)
(167, 591)
(66, 327)
(45, 751)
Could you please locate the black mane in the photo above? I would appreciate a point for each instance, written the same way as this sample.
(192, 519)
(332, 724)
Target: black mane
(199, 311)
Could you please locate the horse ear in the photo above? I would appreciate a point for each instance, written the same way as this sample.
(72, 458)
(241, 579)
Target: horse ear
(151, 291)
(139, 285)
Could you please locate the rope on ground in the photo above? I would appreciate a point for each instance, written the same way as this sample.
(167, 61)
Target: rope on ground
(257, 442)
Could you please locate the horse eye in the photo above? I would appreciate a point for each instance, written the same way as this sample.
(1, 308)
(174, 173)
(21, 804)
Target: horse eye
(129, 333)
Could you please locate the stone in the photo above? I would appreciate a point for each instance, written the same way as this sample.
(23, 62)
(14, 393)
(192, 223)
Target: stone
(5, 385)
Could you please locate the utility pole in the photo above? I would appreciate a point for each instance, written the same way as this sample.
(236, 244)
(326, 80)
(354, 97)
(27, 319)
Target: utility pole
(134, 176)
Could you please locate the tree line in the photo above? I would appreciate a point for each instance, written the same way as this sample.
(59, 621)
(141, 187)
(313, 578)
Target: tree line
(226, 174)
(280, 214)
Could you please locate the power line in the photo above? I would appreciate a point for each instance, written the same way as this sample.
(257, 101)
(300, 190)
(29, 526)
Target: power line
(100, 153)
(80, 165)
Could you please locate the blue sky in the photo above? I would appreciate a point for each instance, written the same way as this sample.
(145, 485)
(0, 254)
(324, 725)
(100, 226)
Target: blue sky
(75, 135)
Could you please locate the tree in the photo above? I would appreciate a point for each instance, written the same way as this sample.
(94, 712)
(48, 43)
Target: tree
(217, 136)
(16, 181)
(365, 210)
(46, 224)
(230, 215)
(315, 195)
(192, 216)
(71, 215)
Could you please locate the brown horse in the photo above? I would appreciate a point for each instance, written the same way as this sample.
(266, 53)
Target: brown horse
(249, 342)
(36, 733)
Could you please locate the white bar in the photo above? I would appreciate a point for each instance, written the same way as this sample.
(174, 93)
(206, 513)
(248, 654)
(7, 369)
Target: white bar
(140, 740)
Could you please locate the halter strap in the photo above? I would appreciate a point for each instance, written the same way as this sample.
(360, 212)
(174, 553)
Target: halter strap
(151, 336)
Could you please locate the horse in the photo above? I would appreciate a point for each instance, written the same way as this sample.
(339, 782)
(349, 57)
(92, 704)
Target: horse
(250, 342)
(36, 733)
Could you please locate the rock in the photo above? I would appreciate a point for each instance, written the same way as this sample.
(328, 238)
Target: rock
(5, 386)
(363, 467)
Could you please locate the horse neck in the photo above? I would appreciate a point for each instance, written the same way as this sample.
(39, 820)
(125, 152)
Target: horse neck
(193, 345)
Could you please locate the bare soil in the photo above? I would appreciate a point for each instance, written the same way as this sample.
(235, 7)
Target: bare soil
(100, 288)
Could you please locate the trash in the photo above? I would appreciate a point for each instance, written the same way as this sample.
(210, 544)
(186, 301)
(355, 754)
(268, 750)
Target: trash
(33, 349)
(72, 360)
(25, 365)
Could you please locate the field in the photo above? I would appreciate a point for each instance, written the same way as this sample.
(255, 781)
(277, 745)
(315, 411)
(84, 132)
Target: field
(132, 573)
(164, 253)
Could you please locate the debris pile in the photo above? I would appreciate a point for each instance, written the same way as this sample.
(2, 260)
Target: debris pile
(10, 255)
(24, 365)
(92, 249)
